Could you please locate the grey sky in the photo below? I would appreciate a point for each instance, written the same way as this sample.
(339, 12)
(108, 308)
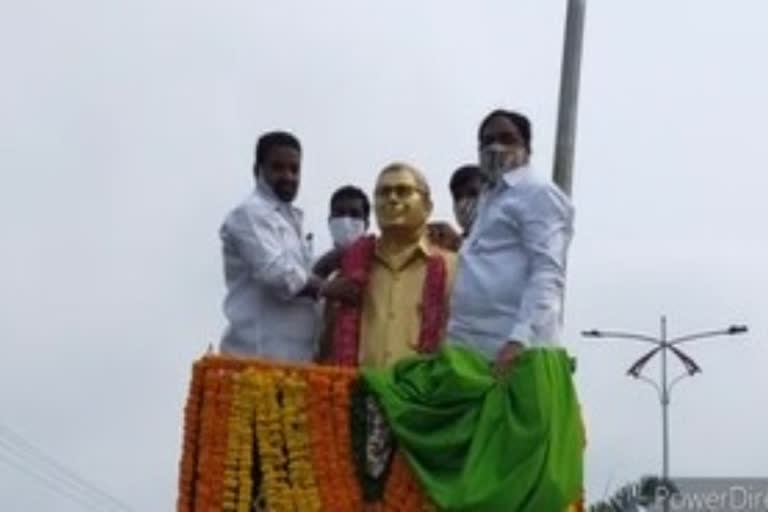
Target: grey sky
(127, 131)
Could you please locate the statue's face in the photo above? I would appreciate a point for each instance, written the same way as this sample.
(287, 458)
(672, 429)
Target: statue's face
(400, 201)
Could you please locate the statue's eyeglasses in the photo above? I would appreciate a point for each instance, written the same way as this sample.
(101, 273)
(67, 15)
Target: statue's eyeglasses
(399, 191)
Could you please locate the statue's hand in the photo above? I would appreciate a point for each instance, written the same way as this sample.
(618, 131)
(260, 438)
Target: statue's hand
(342, 289)
(507, 356)
(443, 235)
(328, 263)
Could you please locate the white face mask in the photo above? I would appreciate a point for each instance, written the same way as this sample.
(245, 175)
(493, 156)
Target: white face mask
(465, 210)
(497, 159)
(345, 230)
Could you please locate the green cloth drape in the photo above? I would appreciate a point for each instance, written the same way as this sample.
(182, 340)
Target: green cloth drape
(481, 443)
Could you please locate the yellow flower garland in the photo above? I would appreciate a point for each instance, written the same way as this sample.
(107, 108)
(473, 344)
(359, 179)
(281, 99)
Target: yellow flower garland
(244, 433)
(231, 484)
(271, 442)
(305, 493)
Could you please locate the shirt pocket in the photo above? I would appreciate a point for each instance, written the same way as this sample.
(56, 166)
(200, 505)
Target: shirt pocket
(501, 233)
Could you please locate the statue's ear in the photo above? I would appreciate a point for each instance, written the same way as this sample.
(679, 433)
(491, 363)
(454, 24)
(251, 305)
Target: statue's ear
(428, 206)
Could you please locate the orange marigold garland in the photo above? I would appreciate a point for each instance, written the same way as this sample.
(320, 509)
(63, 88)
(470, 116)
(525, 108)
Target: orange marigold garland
(325, 453)
(187, 466)
(403, 491)
(343, 442)
(210, 462)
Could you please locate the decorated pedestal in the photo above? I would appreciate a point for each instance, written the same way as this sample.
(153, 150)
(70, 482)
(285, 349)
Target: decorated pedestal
(266, 436)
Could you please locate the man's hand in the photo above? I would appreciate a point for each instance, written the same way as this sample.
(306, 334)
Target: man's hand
(342, 289)
(328, 263)
(507, 356)
(443, 235)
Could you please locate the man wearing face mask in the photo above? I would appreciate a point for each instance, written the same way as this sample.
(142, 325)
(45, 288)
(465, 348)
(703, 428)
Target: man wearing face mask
(349, 218)
(466, 185)
(509, 288)
(271, 290)
(350, 212)
(350, 215)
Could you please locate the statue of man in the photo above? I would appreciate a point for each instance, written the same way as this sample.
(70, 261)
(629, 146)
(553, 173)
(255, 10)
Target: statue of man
(404, 280)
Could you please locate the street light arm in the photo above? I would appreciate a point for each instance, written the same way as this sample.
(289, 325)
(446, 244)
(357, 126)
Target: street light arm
(637, 367)
(678, 379)
(654, 384)
(595, 333)
(690, 365)
(733, 330)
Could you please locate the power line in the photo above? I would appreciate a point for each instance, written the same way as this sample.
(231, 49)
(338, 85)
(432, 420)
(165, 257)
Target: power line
(49, 484)
(23, 448)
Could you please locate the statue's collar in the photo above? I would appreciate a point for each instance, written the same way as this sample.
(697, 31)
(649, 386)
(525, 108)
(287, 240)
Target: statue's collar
(399, 259)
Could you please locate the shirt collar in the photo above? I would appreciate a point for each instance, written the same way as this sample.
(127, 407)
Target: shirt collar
(514, 177)
(421, 247)
(263, 191)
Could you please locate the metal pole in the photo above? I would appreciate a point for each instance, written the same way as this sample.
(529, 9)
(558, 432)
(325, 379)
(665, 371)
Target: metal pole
(569, 95)
(664, 410)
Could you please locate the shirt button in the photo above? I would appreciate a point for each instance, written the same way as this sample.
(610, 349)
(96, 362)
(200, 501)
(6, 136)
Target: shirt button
(391, 315)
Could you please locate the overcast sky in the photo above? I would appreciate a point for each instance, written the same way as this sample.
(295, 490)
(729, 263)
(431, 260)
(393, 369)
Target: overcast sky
(127, 131)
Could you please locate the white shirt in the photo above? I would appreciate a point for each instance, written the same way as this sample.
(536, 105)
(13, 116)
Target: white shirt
(267, 262)
(511, 273)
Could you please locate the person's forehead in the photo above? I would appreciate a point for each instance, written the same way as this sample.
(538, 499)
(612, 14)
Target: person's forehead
(348, 203)
(501, 124)
(396, 177)
(471, 187)
(283, 152)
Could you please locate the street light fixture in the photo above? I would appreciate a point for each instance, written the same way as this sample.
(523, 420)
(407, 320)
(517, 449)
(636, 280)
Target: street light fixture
(662, 345)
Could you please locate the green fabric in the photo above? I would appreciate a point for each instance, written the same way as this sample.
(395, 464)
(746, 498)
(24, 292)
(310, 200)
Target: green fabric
(483, 443)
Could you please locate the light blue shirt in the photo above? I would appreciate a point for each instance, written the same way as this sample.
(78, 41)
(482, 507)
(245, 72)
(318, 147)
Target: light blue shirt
(267, 262)
(511, 272)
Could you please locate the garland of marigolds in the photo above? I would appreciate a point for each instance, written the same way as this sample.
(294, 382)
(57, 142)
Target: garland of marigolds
(300, 427)
(297, 425)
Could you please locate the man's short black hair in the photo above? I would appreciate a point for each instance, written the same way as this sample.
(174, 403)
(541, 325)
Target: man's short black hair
(463, 175)
(351, 192)
(270, 140)
(522, 122)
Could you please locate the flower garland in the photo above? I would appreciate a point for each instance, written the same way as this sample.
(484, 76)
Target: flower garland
(356, 264)
(212, 440)
(245, 433)
(403, 491)
(306, 495)
(271, 442)
(343, 442)
(322, 443)
(232, 462)
(187, 466)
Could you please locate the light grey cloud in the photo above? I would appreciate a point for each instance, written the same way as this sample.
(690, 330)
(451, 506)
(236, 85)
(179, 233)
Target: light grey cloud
(128, 130)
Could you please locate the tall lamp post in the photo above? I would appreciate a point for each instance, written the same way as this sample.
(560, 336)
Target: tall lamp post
(570, 74)
(662, 345)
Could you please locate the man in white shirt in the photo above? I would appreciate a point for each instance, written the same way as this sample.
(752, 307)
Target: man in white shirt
(271, 290)
(508, 292)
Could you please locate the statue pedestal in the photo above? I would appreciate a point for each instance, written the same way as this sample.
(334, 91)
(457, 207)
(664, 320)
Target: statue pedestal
(282, 434)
